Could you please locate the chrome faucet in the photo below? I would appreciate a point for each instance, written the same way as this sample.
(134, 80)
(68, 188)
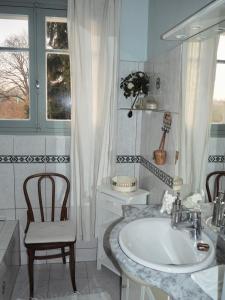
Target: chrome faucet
(187, 219)
(218, 210)
(222, 224)
(176, 214)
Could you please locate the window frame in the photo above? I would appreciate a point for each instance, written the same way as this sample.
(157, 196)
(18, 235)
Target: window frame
(218, 130)
(38, 123)
(32, 121)
(47, 125)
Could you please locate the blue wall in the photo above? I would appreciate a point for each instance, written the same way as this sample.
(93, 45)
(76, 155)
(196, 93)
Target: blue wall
(164, 14)
(143, 22)
(134, 30)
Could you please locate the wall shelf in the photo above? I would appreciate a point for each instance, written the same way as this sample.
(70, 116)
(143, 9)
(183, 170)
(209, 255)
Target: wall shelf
(147, 109)
(207, 17)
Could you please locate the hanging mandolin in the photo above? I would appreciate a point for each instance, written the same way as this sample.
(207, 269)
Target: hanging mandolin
(159, 155)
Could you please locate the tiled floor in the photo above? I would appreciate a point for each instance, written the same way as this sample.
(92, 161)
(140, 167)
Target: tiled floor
(53, 280)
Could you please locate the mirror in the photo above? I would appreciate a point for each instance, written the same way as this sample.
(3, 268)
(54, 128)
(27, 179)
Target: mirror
(204, 54)
(210, 16)
(218, 107)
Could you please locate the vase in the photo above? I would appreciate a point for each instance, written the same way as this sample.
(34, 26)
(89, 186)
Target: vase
(139, 104)
(159, 157)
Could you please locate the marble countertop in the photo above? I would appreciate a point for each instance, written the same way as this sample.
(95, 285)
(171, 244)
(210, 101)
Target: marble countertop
(177, 286)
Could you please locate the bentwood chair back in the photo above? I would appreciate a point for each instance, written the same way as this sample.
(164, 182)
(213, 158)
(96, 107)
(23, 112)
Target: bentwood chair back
(216, 186)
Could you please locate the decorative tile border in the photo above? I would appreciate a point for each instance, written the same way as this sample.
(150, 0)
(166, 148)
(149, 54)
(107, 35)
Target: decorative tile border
(128, 159)
(164, 177)
(25, 159)
(216, 158)
(167, 179)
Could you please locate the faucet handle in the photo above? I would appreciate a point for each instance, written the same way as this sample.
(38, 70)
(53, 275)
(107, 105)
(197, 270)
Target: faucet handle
(222, 224)
(196, 218)
(196, 215)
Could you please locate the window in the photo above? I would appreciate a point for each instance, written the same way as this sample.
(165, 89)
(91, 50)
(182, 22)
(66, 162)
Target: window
(14, 64)
(35, 70)
(58, 69)
(218, 109)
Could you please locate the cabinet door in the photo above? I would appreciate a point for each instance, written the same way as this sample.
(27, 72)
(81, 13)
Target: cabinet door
(124, 287)
(147, 294)
(135, 291)
(159, 294)
(131, 290)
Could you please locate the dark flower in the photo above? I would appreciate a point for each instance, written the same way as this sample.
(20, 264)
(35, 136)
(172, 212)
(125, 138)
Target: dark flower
(135, 84)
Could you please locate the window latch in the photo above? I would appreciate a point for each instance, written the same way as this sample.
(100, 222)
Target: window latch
(37, 84)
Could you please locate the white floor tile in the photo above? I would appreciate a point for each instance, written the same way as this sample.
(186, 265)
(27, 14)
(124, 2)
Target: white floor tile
(98, 296)
(81, 270)
(59, 288)
(21, 290)
(60, 271)
(53, 280)
(41, 273)
(103, 281)
(103, 273)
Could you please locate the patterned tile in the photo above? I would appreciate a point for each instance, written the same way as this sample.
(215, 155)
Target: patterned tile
(164, 177)
(24, 159)
(216, 158)
(128, 159)
(167, 179)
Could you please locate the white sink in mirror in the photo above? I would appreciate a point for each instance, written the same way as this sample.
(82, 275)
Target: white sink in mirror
(153, 243)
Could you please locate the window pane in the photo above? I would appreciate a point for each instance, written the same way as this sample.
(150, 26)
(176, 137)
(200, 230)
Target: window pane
(218, 113)
(13, 31)
(56, 33)
(14, 85)
(221, 48)
(58, 86)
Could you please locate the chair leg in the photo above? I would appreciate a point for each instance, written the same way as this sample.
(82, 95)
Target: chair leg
(72, 267)
(30, 253)
(63, 255)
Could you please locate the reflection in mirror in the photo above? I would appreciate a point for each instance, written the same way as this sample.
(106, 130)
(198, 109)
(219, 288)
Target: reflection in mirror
(198, 75)
(202, 94)
(203, 103)
(218, 109)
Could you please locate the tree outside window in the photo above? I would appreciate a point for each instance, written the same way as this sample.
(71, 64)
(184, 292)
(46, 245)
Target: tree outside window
(14, 66)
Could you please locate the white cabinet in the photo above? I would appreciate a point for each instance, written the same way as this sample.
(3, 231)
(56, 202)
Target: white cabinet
(132, 290)
(109, 209)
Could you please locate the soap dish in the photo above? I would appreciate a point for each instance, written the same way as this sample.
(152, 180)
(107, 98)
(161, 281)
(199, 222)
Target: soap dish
(124, 184)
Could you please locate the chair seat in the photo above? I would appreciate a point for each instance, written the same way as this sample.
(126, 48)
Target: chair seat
(50, 232)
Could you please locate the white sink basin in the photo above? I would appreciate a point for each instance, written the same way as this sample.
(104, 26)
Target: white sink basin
(153, 243)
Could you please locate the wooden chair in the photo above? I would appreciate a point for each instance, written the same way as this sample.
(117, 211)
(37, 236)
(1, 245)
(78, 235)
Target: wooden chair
(217, 175)
(46, 235)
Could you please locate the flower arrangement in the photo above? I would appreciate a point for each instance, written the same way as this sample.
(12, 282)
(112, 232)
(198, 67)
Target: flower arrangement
(135, 85)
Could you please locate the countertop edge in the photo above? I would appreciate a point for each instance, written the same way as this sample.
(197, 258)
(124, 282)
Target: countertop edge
(177, 286)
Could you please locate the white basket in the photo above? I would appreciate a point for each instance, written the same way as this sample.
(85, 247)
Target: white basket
(124, 184)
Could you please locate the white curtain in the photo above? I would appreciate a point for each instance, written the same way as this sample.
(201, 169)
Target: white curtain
(93, 27)
(198, 75)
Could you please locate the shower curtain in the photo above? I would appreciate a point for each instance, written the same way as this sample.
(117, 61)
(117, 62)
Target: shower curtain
(198, 76)
(93, 30)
